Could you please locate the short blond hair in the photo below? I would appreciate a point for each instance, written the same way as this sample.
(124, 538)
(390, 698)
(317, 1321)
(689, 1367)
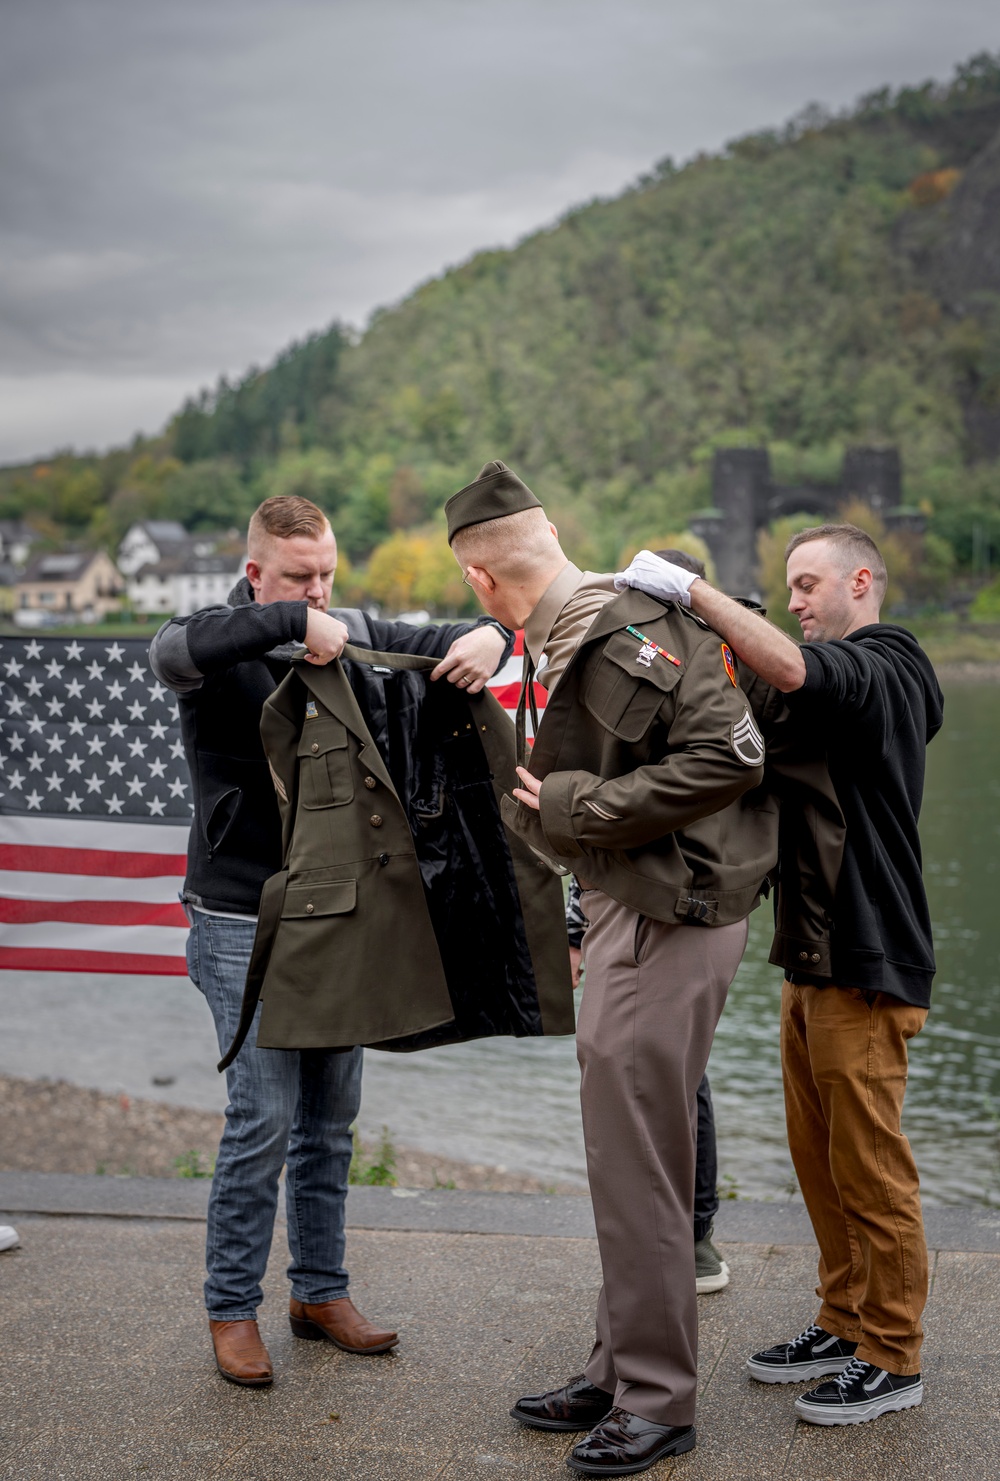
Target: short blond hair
(282, 518)
(854, 549)
(506, 547)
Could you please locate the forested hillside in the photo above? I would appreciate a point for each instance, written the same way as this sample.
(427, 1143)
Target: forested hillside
(836, 281)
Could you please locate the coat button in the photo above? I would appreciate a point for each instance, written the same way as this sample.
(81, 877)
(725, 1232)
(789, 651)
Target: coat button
(383, 859)
(370, 783)
(803, 956)
(814, 957)
(310, 909)
(314, 747)
(375, 820)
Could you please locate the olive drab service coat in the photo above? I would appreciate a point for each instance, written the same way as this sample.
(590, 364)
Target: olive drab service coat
(405, 914)
(657, 789)
(653, 769)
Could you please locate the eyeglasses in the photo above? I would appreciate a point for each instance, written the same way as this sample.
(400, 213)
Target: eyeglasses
(465, 578)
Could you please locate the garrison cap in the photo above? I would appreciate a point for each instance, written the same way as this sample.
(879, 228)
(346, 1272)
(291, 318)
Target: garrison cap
(496, 492)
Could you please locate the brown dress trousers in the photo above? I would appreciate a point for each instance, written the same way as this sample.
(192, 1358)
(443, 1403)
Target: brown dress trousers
(652, 999)
(844, 1060)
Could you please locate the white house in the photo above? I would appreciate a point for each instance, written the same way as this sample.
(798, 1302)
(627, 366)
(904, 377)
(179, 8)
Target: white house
(150, 541)
(183, 584)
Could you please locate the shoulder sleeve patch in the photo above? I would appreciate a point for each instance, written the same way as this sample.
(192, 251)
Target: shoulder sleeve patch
(747, 741)
(727, 659)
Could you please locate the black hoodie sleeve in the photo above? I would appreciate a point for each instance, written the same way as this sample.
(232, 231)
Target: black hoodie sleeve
(187, 649)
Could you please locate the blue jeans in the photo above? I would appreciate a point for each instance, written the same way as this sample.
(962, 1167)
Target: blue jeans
(286, 1106)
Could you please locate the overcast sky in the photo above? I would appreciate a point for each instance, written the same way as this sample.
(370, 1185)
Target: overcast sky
(186, 186)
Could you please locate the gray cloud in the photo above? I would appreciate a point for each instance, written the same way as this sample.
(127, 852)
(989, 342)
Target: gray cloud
(184, 188)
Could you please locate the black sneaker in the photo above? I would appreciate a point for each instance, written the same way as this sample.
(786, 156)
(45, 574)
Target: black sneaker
(711, 1273)
(813, 1354)
(861, 1392)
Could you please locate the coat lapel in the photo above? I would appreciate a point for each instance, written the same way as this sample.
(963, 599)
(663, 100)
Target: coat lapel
(331, 687)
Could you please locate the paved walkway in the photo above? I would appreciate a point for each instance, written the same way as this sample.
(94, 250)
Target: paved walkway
(106, 1370)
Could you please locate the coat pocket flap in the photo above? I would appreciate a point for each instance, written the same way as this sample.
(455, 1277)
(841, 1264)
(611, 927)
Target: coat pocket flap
(623, 649)
(333, 897)
(625, 693)
(320, 736)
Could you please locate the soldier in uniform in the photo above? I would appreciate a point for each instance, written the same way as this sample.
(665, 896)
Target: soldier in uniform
(642, 774)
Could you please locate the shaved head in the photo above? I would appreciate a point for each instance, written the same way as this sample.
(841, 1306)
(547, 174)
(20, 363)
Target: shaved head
(511, 547)
(509, 562)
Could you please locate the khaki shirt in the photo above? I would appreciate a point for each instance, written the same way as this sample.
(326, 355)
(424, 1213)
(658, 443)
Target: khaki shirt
(561, 619)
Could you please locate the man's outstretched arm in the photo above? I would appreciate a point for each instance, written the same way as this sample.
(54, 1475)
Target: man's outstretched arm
(755, 641)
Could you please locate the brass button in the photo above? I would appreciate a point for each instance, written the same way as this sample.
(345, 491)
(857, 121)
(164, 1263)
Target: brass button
(310, 909)
(803, 956)
(314, 747)
(370, 783)
(814, 957)
(375, 820)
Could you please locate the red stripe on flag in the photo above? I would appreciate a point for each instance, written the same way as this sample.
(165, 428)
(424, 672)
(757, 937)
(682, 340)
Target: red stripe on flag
(92, 912)
(509, 694)
(43, 959)
(120, 865)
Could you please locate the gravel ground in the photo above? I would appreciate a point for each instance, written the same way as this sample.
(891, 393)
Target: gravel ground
(52, 1126)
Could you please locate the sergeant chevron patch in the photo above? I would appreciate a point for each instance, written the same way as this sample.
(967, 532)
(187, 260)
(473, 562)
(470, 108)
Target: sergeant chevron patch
(279, 785)
(748, 743)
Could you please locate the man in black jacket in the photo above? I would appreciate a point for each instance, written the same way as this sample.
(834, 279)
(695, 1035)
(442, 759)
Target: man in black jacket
(292, 1108)
(869, 690)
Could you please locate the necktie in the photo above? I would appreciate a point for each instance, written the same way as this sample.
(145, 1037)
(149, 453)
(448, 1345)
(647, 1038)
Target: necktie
(526, 698)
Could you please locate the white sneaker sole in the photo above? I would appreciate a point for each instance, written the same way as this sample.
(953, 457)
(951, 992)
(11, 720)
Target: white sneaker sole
(706, 1283)
(796, 1372)
(907, 1398)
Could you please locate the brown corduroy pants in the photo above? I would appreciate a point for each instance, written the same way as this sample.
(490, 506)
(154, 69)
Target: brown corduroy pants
(844, 1060)
(652, 999)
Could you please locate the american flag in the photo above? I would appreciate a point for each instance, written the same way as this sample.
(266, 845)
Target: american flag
(95, 806)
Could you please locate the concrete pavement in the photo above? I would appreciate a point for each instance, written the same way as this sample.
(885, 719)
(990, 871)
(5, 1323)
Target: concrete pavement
(107, 1373)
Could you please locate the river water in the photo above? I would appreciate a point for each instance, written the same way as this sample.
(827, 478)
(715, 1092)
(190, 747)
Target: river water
(514, 1103)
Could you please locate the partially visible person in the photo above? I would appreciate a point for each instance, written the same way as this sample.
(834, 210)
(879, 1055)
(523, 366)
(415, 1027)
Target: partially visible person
(710, 1269)
(643, 755)
(286, 1107)
(858, 977)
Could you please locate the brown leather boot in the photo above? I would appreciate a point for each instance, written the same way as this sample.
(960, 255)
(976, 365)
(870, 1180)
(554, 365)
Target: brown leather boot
(240, 1355)
(341, 1323)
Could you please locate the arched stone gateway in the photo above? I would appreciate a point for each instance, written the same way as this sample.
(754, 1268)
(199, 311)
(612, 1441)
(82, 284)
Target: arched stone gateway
(746, 498)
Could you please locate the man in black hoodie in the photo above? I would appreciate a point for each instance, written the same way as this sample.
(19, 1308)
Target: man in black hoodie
(869, 690)
(286, 1107)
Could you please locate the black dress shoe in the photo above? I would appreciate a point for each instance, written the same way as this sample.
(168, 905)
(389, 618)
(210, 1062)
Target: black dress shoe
(624, 1444)
(578, 1406)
